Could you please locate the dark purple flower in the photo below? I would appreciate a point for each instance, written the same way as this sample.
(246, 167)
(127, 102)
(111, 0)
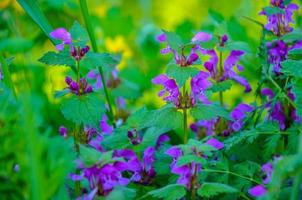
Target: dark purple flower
(267, 168)
(215, 143)
(1, 75)
(61, 34)
(208, 125)
(63, 131)
(277, 52)
(257, 191)
(223, 40)
(162, 37)
(93, 74)
(170, 87)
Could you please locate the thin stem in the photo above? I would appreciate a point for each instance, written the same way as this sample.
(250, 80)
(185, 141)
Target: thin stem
(78, 71)
(220, 75)
(87, 19)
(232, 173)
(185, 121)
(77, 150)
(280, 89)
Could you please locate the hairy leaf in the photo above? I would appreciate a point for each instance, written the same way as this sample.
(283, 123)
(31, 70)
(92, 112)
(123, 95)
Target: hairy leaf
(207, 112)
(181, 74)
(212, 189)
(169, 192)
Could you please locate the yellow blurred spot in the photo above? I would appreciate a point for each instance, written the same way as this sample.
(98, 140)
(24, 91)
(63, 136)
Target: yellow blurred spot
(54, 81)
(100, 10)
(4, 3)
(119, 45)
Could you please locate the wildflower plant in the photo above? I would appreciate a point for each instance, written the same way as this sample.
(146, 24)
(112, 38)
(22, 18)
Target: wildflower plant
(197, 145)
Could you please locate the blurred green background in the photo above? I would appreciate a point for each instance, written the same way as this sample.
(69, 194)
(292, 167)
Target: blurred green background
(32, 156)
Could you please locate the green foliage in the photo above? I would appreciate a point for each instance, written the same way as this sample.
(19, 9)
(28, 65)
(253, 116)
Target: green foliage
(78, 35)
(86, 109)
(292, 36)
(58, 58)
(121, 193)
(187, 159)
(221, 86)
(292, 68)
(169, 192)
(207, 112)
(270, 10)
(181, 74)
(91, 156)
(212, 189)
(174, 40)
(15, 45)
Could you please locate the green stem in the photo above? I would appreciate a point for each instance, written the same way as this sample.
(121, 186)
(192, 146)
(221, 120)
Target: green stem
(78, 72)
(280, 89)
(231, 173)
(87, 19)
(185, 121)
(77, 150)
(220, 75)
(298, 179)
(7, 76)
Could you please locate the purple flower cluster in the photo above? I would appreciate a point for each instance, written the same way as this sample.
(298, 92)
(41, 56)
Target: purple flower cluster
(1, 75)
(112, 82)
(188, 172)
(63, 35)
(228, 67)
(279, 23)
(238, 114)
(80, 88)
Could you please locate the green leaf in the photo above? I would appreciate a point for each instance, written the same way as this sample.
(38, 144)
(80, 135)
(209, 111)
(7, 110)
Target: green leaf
(86, 109)
(208, 190)
(292, 36)
(221, 86)
(91, 156)
(127, 89)
(174, 40)
(169, 192)
(270, 10)
(292, 68)
(61, 93)
(207, 112)
(186, 159)
(58, 58)
(297, 90)
(243, 46)
(181, 74)
(33, 10)
(78, 35)
(15, 45)
(121, 193)
(93, 60)
(271, 143)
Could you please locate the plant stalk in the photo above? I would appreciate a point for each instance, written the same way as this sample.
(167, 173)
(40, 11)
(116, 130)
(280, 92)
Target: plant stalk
(185, 121)
(87, 20)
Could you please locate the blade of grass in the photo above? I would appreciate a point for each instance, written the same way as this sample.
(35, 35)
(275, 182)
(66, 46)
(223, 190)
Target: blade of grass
(7, 76)
(32, 9)
(87, 19)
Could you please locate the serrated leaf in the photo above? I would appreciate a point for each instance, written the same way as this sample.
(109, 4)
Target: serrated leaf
(91, 156)
(61, 93)
(121, 193)
(58, 58)
(292, 68)
(174, 40)
(207, 112)
(270, 145)
(85, 110)
(169, 192)
(93, 60)
(221, 86)
(118, 139)
(187, 159)
(208, 190)
(127, 89)
(78, 34)
(270, 10)
(297, 90)
(181, 74)
(292, 36)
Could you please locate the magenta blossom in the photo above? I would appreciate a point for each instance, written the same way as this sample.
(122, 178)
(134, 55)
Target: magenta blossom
(238, 114)
(63, 35)
(199, 84)
(257, 191)
(63, 131)
(215, 143)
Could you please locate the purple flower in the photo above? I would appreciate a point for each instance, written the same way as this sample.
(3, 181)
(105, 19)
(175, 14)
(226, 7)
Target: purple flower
(199, 84)
(63, 131)
(276, 110)
(1, 75)
(257, 191)
(238, 114)
(170, 87)
(134, 137)
(277, 52)
(63, 35)
(215, 143)
(185, 172)
(161, 38)
(105, 127)
(223, 40)
(201, 37)
(268, 170)
(208, 125)
(161, 139)
(279, 23)
(89, 196)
